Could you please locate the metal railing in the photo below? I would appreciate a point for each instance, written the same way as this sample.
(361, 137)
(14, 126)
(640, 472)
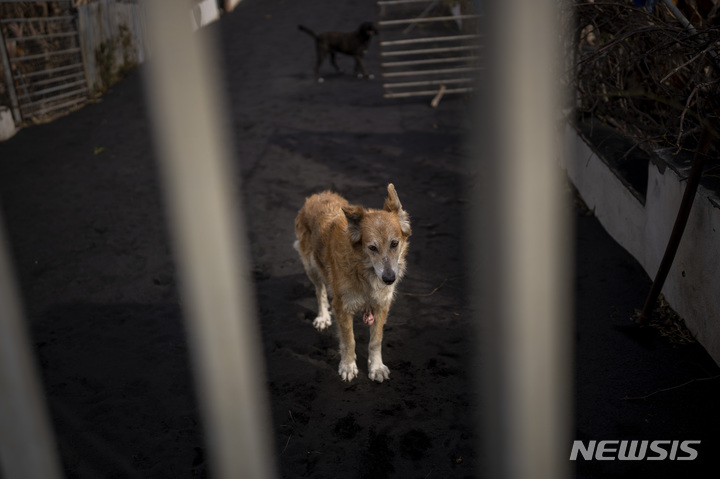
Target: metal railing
(431, 37)
(91, 44)
(35, 47)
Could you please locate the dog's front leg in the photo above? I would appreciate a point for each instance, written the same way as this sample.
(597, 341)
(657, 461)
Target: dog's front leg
(322, 321)
(321, 53)
(334, 63)
(377, 371)
(348, 367)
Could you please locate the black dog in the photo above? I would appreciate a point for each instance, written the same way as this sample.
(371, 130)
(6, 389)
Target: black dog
(352, 43)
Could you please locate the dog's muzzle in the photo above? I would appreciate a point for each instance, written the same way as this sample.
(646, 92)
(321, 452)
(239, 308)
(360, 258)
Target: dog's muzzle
(388, 273)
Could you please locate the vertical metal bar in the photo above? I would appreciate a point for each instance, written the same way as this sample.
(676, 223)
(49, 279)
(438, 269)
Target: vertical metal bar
(9, 80)
(204, 212)
(521, 251)
(27, 448)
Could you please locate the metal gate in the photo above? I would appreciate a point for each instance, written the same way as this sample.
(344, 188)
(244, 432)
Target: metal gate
(429, 47)
(41, 57)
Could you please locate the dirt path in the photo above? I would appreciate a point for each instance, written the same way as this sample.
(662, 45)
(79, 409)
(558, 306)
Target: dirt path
(82, 205)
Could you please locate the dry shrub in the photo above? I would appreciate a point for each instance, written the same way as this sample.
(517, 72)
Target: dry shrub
(645, 74)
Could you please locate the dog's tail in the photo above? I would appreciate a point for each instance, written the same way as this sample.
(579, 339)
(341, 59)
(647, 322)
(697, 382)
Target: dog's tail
(307, 30)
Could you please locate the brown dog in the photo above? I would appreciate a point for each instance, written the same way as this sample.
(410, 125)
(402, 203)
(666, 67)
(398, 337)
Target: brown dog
(359, 254)
(351, 43)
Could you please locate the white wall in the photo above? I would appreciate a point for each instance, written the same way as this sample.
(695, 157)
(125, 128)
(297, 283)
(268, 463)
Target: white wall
(692, 287)
(206, 10)
(7, 125)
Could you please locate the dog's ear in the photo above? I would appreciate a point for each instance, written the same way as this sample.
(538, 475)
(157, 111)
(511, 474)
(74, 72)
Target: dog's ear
(393, 205)
(354, 215)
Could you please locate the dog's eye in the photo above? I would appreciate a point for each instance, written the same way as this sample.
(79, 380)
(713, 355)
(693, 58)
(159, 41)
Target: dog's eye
(394, 243)
(372, 248)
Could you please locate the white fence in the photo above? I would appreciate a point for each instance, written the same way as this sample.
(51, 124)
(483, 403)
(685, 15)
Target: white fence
(53, 60)
(41, 58)
(429, 47)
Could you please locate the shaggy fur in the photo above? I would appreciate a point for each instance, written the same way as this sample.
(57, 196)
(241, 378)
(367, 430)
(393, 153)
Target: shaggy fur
(359, 255)
(352, 43)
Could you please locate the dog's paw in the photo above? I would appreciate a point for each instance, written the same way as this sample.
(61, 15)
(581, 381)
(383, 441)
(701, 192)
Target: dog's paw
(379, 373)
(323, 321)
(320, 79)
(371, 77)
(348, 371)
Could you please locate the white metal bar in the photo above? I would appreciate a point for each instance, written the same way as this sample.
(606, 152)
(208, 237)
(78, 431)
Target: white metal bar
(523, 252)
(27, 448)
(428, 61)
(424, 51)
(39, 37)
(64, 86)
(59, 106)
(53, 70)
(406, 21)
(409, 94)
(205, 218)
(410, 41)
(43, 55)
(429, 72)
(56, 79)
(37, 19)
(452, 81)
(79, 91)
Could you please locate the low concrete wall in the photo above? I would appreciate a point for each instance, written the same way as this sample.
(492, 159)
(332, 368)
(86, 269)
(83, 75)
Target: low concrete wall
(692, 287)
(7, 124)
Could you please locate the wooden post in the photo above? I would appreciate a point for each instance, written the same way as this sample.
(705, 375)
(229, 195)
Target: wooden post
(678, 228)
(436, 101)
